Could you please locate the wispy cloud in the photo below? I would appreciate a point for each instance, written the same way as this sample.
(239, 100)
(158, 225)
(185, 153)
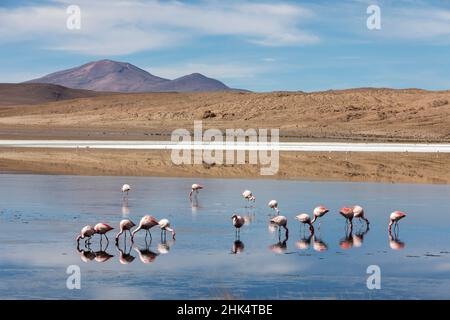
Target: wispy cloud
(129, 26)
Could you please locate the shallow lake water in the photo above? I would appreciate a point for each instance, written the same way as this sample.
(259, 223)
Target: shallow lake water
(41, 215)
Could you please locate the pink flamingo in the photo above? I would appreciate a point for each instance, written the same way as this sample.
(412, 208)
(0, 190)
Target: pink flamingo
(319, 212)
(164, 224)
(347, 213)
(248, 195)
(147, 222)
(273, 204)
(126, 188)
(86, 232)
(238, 222)
(195, 187)
(394, 218)
(103, 229)
(358, 212)
(305, 219)
(281, 222)
(125, 225)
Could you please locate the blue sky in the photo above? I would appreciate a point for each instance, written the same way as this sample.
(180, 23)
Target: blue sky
(256, 45)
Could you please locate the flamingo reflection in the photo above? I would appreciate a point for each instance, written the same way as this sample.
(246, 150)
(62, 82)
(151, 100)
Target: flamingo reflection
(145, 255)
(304, 243)
(125, 256)
(125, 208)
(358, 237)
(319, 245)
(86, 255)
(394, 242)
(346, 243)
(238, 247)
(281, 246)
(102, 256)
(164, 246)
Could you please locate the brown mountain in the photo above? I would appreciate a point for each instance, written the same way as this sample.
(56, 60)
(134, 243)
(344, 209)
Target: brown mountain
(108, 75)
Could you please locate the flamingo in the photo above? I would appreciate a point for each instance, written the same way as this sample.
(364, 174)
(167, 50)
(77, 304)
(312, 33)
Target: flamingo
(305, 219)
(103, 229)
(86, 232)
(319, 212)
(147, 222)
(195, 187)
(347, 213)
(358, 212)
(164, 224)
(126, 188)
(273, 204)
(394, 218)
(248, 195)
(280, 221)
(238, 222)
(125, 225)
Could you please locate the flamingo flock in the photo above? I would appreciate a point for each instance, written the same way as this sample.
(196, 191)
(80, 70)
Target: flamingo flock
(277, 221)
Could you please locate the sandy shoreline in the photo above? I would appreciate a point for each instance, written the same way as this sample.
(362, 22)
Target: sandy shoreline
(335, 166)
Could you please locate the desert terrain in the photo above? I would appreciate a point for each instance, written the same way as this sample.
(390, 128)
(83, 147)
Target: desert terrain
(380, 115)
(357, 114)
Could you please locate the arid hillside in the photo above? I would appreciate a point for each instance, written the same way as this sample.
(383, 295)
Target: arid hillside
(35, 93)
(367, 114)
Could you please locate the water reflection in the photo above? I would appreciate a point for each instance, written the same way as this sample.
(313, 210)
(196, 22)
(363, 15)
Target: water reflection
(346, 242)
(394, 242)
(319, 245)
(125, 208)
(125, 256)
(359, 235)
(249, 215)
(304, 243)
(238, 247)
(102, 256)
(281, 246)
(164, 246)
(145, 255)
(195, 204)
(86, 254)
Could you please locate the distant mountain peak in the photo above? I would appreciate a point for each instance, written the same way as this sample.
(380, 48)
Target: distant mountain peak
(116, 76)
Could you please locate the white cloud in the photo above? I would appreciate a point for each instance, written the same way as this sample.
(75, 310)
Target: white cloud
(128, 26)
